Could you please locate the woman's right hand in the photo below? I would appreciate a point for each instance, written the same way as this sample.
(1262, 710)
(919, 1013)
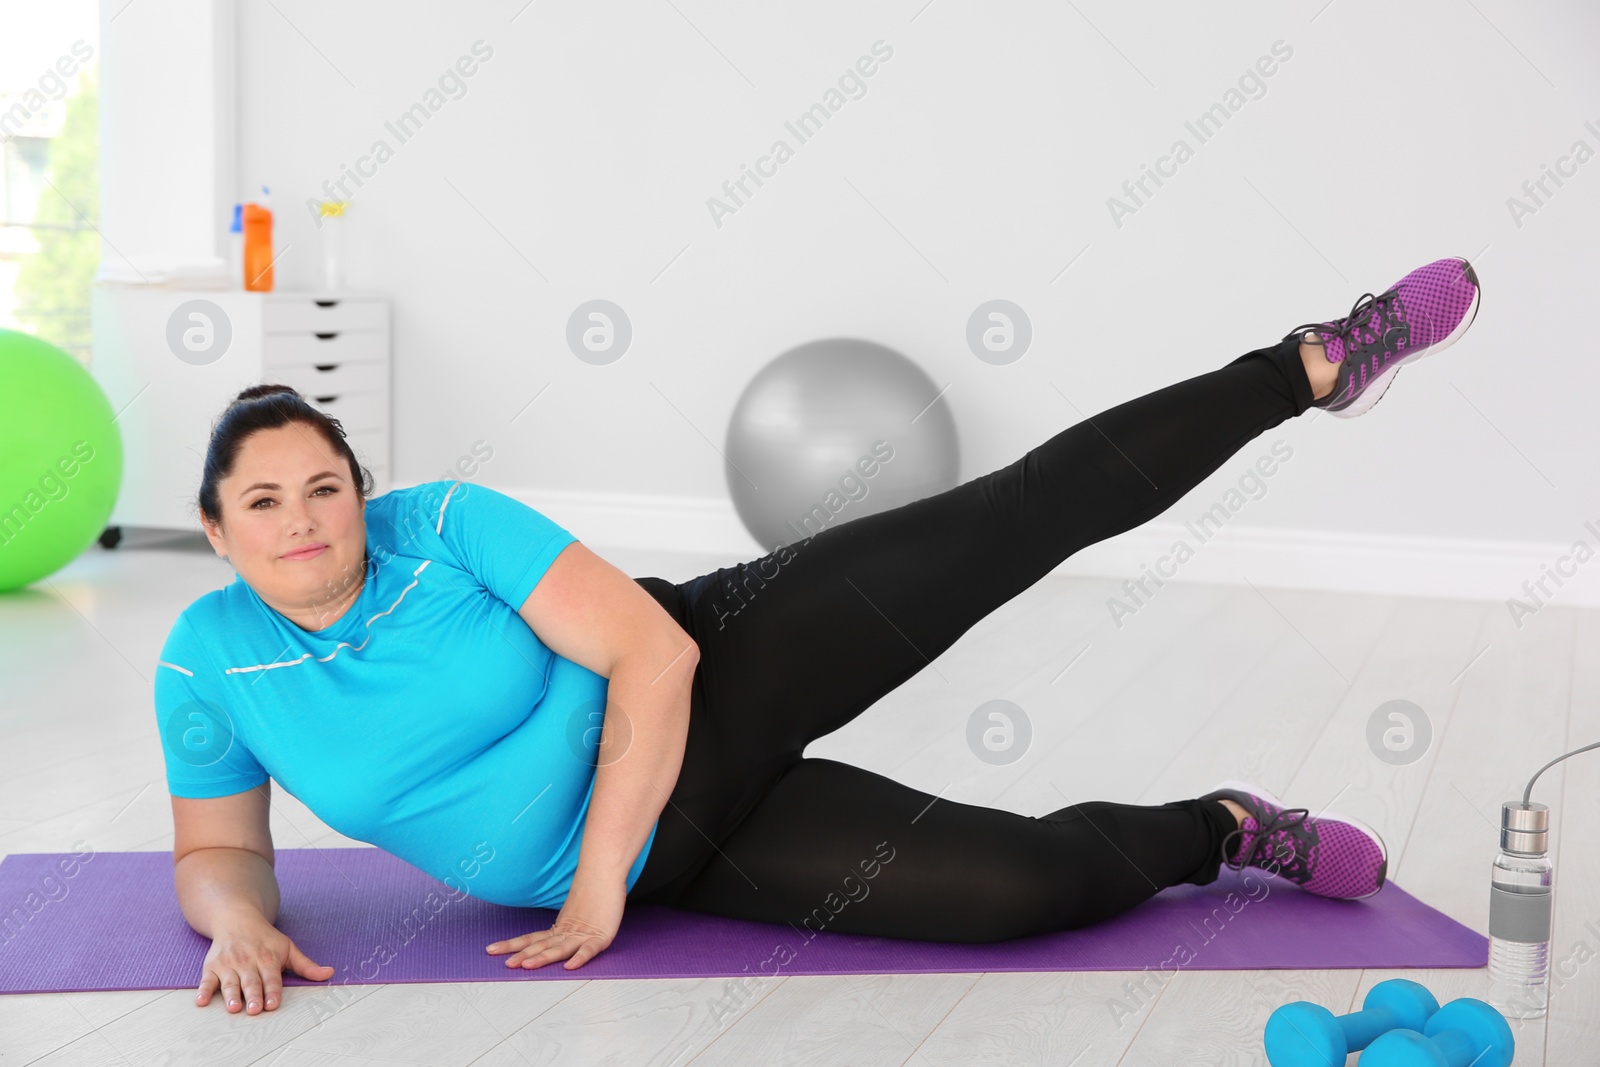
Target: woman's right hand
(246, 962)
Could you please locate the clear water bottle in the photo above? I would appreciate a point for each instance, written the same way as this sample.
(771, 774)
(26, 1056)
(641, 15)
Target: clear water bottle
(1520, 897)
(331, 237)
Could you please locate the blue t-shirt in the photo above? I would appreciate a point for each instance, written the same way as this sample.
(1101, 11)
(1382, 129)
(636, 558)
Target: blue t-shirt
(429, 720)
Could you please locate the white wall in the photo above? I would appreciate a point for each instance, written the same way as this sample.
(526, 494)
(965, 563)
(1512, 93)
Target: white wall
(977, 165)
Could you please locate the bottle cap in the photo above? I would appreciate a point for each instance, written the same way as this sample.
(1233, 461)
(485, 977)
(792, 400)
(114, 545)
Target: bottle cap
(1524, 827)
(237, 212)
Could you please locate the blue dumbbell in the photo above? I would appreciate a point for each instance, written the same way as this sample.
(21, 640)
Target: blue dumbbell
(1464, 1031)
(1304, 1034)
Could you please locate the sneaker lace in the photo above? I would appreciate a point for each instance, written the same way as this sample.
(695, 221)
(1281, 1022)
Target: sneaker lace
(1361, 313)
(1296, 865)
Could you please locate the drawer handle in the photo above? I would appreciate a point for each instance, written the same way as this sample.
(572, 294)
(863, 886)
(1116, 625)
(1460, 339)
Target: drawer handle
(326, 303)
(327, 336)
(326, 366)
(327, 399)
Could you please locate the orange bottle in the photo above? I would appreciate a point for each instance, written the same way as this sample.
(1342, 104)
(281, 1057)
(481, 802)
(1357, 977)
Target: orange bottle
(257, 248)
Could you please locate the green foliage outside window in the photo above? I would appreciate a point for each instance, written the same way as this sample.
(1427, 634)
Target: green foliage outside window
(53, 286)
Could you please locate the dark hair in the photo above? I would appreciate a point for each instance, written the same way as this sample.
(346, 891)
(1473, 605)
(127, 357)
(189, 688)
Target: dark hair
(267, 407)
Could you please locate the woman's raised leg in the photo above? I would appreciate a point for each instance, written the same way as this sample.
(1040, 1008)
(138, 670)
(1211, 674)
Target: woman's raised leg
(797, 643)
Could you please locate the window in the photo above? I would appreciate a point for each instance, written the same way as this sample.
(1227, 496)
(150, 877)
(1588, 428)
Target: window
(49, 171)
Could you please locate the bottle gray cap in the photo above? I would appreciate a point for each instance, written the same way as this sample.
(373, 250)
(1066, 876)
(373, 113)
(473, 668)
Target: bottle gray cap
(1524, 827)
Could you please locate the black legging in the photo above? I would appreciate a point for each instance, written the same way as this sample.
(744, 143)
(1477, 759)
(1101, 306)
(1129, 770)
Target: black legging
(798, 642)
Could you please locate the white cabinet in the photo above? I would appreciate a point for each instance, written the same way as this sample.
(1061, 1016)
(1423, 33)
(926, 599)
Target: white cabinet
(170, 360)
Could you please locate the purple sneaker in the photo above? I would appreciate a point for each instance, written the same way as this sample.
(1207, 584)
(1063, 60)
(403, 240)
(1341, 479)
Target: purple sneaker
(1330, 855)
(1420, 314)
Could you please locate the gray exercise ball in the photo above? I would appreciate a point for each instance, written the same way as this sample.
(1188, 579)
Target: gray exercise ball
(834, 430)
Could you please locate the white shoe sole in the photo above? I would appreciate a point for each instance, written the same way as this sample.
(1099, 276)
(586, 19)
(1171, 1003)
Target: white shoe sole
(1247, 787)
(1374, 392)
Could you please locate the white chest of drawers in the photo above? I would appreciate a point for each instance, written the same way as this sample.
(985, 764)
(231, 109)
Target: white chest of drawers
(170, 360)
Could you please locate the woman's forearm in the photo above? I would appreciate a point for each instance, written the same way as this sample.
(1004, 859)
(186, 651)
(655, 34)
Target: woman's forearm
(219, 887)
(640, 755)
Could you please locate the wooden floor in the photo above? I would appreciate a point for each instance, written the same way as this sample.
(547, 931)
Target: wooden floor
(1205, 682)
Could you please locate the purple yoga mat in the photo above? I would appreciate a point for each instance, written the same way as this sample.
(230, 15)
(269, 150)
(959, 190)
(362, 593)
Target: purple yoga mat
(114, 923)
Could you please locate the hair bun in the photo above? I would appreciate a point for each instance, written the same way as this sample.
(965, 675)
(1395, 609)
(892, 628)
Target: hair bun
(255, 391)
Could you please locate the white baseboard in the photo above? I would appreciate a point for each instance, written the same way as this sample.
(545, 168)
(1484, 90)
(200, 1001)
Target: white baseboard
(1449, 568)
(1452, 568)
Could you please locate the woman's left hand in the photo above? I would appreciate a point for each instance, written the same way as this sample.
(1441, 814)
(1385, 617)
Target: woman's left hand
(585, 927)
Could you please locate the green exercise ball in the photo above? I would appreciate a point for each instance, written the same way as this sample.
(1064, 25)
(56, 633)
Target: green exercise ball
(60, 459)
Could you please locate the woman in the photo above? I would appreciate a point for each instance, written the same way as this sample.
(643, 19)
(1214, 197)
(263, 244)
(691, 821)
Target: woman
(368, 659)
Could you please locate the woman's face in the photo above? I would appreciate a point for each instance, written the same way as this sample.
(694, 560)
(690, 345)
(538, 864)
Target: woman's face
(289, 491)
